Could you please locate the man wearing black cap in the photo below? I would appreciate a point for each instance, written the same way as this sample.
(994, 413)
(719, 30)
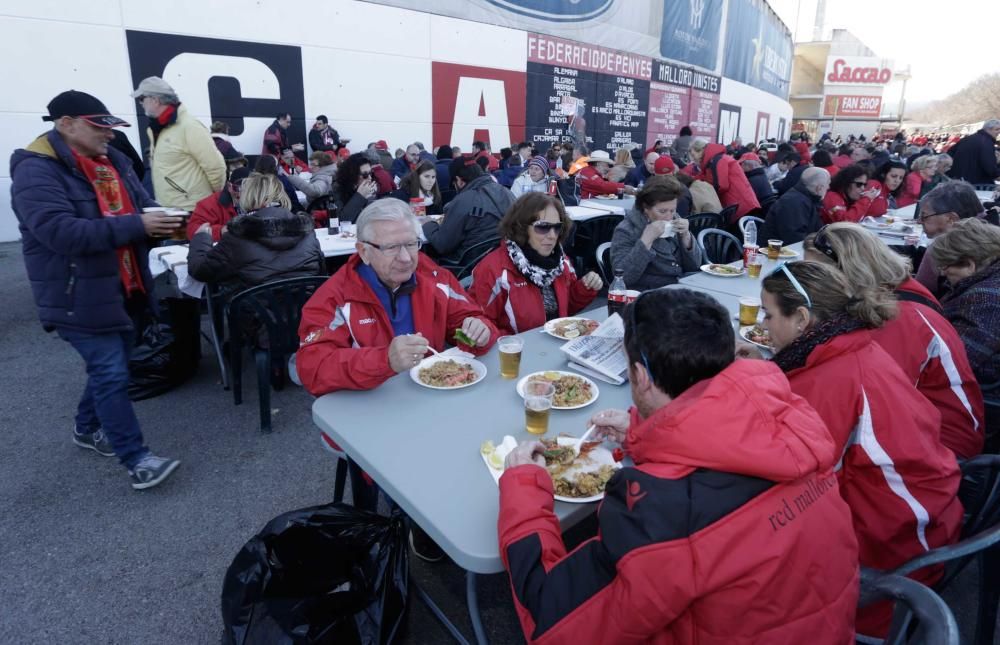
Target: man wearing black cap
(217, 210)
(83, 232)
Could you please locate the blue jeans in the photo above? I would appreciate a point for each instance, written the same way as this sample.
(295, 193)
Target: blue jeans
(105, 403)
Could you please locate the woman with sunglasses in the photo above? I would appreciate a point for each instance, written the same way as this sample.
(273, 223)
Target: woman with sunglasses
(355, 187)
(529, 280)
(898, 478)
(918, 181)
(849, 198)
(920, 339)
(651, 245)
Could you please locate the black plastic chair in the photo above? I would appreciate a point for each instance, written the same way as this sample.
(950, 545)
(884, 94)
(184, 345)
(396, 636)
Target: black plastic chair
(569, 191)
(727, 213)
(603, 258)
(919, 617)
(987, 187)
(980, 496)
(471, 257)
(589, 235)
(719, 246)
(766, 204)
(701, 221)
(276, 308)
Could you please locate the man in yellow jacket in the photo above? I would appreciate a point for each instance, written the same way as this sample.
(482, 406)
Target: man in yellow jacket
(187, 166)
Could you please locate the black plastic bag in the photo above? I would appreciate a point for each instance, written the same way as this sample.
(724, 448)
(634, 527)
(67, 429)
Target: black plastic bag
(168, 351)
(324, 574)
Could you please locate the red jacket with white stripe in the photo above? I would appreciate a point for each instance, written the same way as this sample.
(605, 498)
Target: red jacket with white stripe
(932, 356)
(513, 303)
(592, 184)
(345, 332)
(728, 530)
(899, 480)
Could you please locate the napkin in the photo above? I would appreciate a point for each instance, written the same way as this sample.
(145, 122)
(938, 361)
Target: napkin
(508, 444)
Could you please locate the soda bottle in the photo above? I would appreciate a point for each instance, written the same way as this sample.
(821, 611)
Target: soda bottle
(553, 186)
(333, 223)
(617, 293)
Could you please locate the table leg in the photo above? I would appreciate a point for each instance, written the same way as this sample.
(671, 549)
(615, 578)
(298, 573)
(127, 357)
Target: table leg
(472, 600)
(457, 635)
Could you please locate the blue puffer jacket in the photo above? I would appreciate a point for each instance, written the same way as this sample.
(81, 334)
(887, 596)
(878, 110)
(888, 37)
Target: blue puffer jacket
(69, 247)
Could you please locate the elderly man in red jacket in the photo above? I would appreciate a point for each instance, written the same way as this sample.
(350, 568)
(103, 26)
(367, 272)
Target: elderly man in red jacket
(592, 178)
(730, 526)
(218, 209)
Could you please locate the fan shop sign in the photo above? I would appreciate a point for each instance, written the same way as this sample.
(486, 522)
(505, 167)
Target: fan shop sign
(857, 70)
(849, 105)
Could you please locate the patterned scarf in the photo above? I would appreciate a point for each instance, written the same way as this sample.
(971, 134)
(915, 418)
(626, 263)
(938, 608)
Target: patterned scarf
(794, 355)
(540, 271)
(113, 200)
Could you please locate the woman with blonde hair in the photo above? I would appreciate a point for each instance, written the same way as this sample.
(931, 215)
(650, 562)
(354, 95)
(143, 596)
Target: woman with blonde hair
(623, 164)
(968, 255)
(900, 482)
(920, 339)
(268, 242)
(918, 180)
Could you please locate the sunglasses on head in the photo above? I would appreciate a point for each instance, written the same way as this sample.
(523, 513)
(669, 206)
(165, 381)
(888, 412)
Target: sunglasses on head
(822, 244)
(542, 228)
(783, 268)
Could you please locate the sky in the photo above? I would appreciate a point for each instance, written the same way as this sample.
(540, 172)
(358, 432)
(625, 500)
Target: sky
(946, 44)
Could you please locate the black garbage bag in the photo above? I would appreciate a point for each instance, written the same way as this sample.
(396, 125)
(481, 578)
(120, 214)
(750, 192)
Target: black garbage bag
(168, 351)
(324, 574)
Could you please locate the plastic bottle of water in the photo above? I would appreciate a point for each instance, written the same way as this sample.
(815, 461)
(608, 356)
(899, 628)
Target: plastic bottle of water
(749, 241)
(617, 293)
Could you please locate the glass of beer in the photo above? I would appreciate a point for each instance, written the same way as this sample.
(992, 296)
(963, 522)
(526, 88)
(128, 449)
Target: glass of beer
(755, 264)
(537, 403)
(510, 355)
(773, 249)
(180, 233)
(749, 308)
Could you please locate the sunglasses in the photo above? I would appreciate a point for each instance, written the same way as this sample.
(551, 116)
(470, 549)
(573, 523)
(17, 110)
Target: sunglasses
(822, 244)
(859, 184)
(795, 283)
(542, 228)
(366, 174)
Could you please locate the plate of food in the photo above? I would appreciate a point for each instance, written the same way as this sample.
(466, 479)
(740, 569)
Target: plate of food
(570, 328)
(723, 270)
(757, 335)
(444, 372)
(573, 391)
(788, 252)
(877, 223)
(606, 196)
(579, 479)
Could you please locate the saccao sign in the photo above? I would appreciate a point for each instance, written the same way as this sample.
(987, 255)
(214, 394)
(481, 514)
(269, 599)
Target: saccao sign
(857, 70)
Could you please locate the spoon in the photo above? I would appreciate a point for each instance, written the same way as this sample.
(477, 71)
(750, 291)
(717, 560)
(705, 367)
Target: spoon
(576, 443)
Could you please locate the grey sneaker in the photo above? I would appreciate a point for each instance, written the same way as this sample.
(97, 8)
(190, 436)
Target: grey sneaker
(152, 471)
(95, 441)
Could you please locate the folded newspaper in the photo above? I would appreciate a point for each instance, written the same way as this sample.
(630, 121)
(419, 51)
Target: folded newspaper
(602, 353)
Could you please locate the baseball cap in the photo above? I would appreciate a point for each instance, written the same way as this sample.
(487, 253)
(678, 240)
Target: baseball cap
(382, 145)
(81, 105)
(152, 85)
(664, 166)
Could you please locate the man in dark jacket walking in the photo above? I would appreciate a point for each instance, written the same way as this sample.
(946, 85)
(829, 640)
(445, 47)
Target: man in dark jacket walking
(796, 213)
(471, 218)
(83, 232)
(975, 156)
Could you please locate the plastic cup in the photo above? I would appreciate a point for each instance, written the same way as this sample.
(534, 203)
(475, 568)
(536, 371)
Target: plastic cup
(749, 308)
(510, 355)
(756, 263)
(774, 249)
(537, 404)
(179, 233)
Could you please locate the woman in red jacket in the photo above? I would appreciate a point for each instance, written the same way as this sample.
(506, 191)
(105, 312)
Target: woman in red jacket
(918, 180)
(923, 343)
(899, 480)
(726, 175)
(889, 181)
(529, 280)
(849, 198)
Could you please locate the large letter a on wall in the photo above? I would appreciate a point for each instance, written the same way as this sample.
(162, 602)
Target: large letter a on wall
(481, 104)
(472, 103)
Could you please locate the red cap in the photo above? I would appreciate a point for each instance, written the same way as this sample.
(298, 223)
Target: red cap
(382, 145)
(343, 153)
(664, 166)
(750, 156)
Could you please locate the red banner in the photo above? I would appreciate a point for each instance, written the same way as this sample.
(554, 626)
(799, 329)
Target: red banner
(477, 104)
(852, 105)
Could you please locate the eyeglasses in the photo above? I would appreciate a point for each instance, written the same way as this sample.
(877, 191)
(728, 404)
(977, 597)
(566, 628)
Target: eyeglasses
(366, 174)
(542, 228)
(795, 283)
(393, 249)
(632, 325)
(924, 217)
(859, 184)
(822, 244)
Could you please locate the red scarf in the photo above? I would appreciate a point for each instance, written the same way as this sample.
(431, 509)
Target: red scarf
(113, 200)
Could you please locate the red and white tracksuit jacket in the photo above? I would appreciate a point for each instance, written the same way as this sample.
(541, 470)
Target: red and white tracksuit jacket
(592, 184)
(345, 332)
(854, 212)
(932, 355)
(728, 530)
(513, 303)
(899, 480)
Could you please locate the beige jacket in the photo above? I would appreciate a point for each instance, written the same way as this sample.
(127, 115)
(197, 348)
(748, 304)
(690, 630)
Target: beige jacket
(704, 197)
(187, 166)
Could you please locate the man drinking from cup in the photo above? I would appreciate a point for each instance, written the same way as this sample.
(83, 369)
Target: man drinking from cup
(83, 230)
(725, 454)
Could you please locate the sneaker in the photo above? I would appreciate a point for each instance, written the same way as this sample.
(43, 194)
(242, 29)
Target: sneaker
(423, 546)
(152, 471)
(95, 441)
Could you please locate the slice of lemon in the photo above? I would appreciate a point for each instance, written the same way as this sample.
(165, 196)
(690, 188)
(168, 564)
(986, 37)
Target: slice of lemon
(495, 461)
(552, 376)
(571, 333)
(487, 448)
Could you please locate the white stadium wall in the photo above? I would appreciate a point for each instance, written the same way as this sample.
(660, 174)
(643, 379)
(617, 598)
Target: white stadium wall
(377, 71)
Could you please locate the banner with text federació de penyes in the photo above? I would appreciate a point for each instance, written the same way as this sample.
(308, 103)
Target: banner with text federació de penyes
(758, 48)
(690, 32)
